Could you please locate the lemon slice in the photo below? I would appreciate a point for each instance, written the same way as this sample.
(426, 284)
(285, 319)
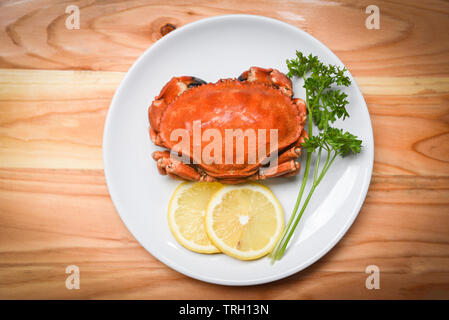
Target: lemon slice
(186, 212)
(244, 221)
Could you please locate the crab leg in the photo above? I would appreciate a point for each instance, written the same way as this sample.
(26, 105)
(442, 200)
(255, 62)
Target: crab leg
(293, 173)
(159, 156)
(175, 168)
(287, 163)
(290, 154)
(281, 169)
(183, 171)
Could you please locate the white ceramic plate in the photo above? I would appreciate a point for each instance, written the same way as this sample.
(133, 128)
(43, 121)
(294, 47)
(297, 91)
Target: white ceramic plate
(214, 48)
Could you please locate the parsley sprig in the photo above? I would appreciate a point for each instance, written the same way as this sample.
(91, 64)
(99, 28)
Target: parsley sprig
(325, 104)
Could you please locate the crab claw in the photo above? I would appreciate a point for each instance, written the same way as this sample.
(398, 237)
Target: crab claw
(271, 77)
(175, 87)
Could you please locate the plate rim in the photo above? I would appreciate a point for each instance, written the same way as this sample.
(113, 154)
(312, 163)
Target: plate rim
(276, 276)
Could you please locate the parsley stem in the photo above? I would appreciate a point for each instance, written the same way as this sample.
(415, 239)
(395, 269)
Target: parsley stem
(281, 250)
(283, 244)
(326, 167)
(324, 105)
(288, 230)
(318, 96)
(317, 165)
(295, 209)
(303, 185)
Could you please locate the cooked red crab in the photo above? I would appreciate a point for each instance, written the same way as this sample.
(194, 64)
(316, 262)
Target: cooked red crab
(258, 99)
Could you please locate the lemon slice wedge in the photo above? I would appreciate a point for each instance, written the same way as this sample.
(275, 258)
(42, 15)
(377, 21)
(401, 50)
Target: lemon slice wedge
(244, 221)
(186, 212)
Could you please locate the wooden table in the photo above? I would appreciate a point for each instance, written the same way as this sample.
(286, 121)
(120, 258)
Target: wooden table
(55, 89)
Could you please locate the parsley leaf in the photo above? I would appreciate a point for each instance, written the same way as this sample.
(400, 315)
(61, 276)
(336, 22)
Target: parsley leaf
(325, 104)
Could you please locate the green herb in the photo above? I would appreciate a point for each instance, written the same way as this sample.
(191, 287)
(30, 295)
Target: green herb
(325, 104)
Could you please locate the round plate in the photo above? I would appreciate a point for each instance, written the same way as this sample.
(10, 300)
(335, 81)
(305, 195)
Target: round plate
(214, 48)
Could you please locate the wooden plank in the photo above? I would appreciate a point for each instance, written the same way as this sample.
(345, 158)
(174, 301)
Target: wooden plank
(55, 209)
(55, 119)
(54, 218)
(412, 39)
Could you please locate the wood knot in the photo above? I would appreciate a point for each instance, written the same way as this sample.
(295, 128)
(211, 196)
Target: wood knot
(167, 28)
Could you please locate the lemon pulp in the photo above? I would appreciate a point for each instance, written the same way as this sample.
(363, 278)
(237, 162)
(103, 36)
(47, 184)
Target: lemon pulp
(244, 221)
(186, 213)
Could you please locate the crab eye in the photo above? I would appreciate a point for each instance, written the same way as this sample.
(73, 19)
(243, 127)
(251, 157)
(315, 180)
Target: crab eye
(196, 82)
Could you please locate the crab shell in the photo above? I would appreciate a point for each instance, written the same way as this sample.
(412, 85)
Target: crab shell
(258, 99)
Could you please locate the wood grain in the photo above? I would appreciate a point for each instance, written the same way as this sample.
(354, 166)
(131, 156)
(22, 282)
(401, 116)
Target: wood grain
(72, 211)
(413, 38)
(53, 119)
(56, 86)
(410, 120)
